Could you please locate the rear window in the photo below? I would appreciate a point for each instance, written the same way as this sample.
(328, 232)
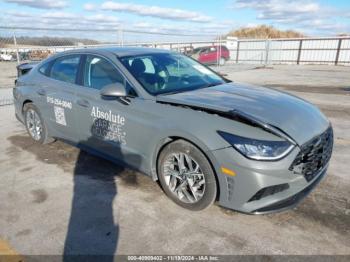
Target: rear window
(65, 68)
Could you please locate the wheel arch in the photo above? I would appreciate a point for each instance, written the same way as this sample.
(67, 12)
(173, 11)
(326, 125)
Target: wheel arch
(27, 101)
(197, 143)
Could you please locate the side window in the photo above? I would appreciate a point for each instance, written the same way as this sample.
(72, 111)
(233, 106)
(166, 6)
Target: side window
(205, 50)
(149, 66)
(130, 90)
(224, 48)
(99, 73)
(43, 69)
(212, 49)
(66, 68)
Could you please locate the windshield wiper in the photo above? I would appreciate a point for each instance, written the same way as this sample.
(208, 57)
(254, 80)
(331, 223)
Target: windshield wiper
(210, 85)
(173, 92)
(187, 90)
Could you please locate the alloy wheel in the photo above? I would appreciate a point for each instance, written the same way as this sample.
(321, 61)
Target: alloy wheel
(34, 124)
(184, 177)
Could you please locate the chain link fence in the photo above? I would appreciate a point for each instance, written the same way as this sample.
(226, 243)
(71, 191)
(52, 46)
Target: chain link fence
(22, 44)
(26, 44)
(326, 50)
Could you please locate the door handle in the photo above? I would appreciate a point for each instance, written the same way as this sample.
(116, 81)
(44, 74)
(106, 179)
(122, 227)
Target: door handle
(41, 92)
(83, 103)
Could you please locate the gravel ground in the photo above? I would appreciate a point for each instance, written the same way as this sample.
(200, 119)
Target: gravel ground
(8, 74)
(55, 194)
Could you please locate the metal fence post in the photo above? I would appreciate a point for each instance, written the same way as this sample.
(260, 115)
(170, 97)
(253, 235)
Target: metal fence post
(338, 51)
(237, 53)
(220, 45)
(267, 51)
(16, 47)
(299, 51)
(217, 53)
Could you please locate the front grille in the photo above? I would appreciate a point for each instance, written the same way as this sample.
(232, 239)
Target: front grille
(314, 155)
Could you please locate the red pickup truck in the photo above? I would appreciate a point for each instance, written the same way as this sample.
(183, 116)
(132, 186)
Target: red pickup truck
(211, 54)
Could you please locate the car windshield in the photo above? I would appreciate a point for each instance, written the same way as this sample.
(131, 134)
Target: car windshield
(165, 73)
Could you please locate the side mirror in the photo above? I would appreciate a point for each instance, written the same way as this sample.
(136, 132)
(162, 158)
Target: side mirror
(116, 90)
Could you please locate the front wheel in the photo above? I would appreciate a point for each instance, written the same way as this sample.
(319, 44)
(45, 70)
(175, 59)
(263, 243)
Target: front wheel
(186, 175)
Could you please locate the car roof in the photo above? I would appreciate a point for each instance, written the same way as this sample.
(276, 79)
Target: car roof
(208, 46)
(119, 51)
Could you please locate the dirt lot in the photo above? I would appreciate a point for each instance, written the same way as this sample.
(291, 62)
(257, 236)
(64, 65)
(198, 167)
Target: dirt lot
(8, 73)
(55, 197)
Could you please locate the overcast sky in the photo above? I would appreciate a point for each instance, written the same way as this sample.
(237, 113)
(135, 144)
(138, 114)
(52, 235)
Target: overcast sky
(312, 17)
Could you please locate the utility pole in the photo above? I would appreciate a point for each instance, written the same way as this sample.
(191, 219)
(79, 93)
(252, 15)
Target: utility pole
(121, 36)
(15, 43)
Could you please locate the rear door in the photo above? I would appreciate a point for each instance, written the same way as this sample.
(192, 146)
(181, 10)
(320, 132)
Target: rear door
(203, 55)
(225, 52)
(208, 55)
(59, 91)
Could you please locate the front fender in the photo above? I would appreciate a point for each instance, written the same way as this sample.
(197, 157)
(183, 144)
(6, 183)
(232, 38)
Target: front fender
(171, 135)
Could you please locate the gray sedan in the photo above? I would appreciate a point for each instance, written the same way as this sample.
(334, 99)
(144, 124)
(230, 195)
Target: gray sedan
(205, 138)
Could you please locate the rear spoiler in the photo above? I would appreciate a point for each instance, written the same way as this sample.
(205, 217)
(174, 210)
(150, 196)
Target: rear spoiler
(24, 68)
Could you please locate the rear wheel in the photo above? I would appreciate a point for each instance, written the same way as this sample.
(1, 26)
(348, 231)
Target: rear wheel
(186, 175)
(35, 125)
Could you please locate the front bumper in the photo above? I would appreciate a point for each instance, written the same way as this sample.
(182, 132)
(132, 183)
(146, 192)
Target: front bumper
(239, 192)
(292, 201)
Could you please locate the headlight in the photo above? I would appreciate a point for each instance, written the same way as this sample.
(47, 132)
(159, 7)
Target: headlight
(258, 149)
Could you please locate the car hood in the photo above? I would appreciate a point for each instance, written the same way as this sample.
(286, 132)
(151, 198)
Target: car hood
(296, 117)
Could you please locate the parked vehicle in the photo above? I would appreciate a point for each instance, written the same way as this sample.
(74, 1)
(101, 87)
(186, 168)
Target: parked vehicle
(6, 57)
(211, 54)
(205, 138)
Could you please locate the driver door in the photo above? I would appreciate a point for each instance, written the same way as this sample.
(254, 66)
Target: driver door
(107, 125)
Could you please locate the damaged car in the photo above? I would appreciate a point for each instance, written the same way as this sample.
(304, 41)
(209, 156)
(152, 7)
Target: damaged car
(203, 137)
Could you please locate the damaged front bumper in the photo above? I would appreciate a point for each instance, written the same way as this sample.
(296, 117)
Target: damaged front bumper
(258, 187)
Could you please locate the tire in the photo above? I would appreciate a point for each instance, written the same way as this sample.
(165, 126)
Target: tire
(178, 187)
(37, 133)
